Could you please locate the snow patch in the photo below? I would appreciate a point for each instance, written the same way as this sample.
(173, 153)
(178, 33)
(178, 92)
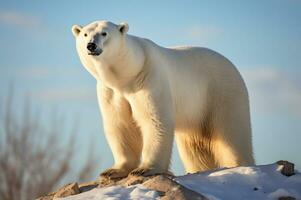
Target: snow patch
(238, 170)
(279, 193)
(135, 192)
(258, 182)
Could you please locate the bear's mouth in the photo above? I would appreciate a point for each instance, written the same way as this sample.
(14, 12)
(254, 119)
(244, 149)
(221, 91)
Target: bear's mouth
(97, 52)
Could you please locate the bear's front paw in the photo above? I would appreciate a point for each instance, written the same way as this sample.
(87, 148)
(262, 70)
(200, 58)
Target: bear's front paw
(113, 173)
(145, 171)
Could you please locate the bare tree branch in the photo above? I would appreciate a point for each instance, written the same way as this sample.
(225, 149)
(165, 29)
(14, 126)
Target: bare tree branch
(33, 160)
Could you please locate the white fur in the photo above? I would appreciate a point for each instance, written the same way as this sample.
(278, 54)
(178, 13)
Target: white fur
(150, 94)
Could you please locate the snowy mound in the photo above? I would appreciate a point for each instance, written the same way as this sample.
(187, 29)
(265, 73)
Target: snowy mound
(259, 182)
(116, 192)
(256, 182)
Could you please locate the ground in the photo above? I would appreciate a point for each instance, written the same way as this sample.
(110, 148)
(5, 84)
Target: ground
(274, 181)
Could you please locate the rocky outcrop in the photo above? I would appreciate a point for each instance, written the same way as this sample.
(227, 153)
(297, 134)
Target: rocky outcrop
(288, 168)
(165, 186)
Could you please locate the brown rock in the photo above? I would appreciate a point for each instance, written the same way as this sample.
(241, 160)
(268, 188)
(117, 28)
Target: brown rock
(67, 190)
(84, 187)
(288, 168)
(46, 197)
(182, 193)
(160, 183)
(171, 190)
(287, 198)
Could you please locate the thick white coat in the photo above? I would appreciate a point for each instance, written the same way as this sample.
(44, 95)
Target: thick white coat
(150, 95)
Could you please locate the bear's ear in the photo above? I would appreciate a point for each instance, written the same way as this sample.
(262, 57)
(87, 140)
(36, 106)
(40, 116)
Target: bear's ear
(123, 27)
(76, 29)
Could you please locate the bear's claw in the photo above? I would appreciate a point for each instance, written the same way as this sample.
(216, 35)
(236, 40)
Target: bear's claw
(114, 173)
(142, 171)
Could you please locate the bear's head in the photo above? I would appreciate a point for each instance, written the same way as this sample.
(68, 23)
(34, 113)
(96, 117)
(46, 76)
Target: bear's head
(99, 40)
(108, 52)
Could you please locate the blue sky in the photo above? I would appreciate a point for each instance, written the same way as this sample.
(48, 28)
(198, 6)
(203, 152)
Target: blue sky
(262, 38)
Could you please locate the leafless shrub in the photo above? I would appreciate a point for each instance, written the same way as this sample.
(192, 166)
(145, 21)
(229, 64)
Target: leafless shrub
(33, 158)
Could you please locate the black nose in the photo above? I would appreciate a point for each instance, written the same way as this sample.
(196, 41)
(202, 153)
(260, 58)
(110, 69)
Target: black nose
(91, 46)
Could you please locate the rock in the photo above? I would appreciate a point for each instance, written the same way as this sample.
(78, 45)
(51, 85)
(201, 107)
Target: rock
(84, 187)
(171, 190)
(288, 168)
(133, 180)
(163, 184)
(46, 197)
(287, 198)
(160, 183)
(70, 189)
(67, 190)
(182, 193)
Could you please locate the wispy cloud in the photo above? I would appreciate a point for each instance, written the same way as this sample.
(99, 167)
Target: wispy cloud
(33, 73)
(41, 72)
(272, 90)
(19, 19)
(65, 94)
(203, 33)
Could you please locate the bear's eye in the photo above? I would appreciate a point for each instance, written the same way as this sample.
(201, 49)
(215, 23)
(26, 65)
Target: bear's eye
(85, 34)
(104, 34)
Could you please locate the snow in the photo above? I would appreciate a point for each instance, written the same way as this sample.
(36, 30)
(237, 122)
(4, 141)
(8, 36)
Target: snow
(258, 182)
(135, 192)
(279, 193)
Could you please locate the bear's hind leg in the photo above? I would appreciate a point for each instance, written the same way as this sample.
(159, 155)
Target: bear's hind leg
(232, 152)
(195, 151)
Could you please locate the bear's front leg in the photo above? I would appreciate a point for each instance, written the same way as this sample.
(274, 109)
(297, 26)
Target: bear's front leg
(152, 109)
(122, 133)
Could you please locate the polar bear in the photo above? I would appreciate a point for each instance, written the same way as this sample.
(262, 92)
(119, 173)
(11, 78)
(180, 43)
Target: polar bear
(149, 95)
